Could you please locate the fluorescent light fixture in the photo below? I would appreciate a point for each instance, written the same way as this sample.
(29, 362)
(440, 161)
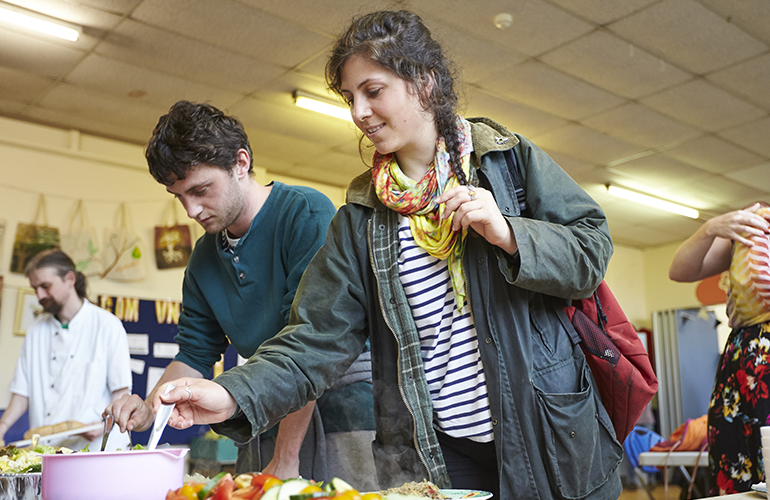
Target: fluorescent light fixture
(321, 105)
(652, 202)
(38, 22)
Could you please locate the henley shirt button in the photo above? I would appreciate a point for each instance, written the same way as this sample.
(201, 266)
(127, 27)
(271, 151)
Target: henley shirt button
(392, 300)
(382, 227)
(51, 386)
(494, 421)
(242, 275)
(488, 340)
(236, 259)
(48, 414)
(54, 357)
(481, 261)
(572, 434)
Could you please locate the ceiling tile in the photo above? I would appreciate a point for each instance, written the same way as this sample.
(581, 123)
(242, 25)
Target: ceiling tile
(656, 172)
(478, 60)
(234, 27)
(688, 34)
(753, 136)
(752, 16)
(320, 15)
(120, 79)
(11, 108)
(757, 176)
(603, 11)
(36, 56)
(70, 100)
(292, 121)
(703, 105)
(615, 65)
(720, 190)
(750, 79)
(137, 133)
(152, 48)
(542, 87)
(22, 87)
(515, 117)
(537, 26)
(641, 125)
(713, 154)
(586, 144)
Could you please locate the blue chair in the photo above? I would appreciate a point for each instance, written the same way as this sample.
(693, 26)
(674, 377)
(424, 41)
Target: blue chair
(639, 441)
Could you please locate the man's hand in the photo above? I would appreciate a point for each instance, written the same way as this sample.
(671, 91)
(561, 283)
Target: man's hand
(131, 413)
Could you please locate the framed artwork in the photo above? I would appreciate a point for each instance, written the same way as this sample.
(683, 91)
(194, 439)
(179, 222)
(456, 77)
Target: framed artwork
(27, 310)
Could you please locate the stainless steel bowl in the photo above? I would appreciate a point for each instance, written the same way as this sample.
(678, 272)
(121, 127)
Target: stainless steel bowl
(20, 486)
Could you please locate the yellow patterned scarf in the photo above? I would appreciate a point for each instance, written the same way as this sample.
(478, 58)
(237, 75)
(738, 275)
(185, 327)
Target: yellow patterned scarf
(415, 199)
(750, 280)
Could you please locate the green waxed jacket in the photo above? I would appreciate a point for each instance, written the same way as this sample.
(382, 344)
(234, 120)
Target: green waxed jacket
(552, 435)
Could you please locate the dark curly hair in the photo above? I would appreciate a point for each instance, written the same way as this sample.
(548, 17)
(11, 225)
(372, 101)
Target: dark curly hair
(401, 43)
(192, 134)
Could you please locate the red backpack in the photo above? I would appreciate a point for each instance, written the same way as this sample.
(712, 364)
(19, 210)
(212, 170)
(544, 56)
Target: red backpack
(617, 358)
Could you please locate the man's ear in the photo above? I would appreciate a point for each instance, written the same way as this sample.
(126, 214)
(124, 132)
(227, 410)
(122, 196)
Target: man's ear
(70, 278)
(242, 164)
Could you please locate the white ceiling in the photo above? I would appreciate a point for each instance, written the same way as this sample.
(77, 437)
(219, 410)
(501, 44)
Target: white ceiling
(667, 96)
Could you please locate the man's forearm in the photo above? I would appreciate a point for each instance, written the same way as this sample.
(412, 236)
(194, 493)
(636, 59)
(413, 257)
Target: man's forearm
(291, 434)
(16, 408)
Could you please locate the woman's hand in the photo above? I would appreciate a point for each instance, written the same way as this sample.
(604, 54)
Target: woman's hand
(476, 207)
(736, 225)
(198, 401)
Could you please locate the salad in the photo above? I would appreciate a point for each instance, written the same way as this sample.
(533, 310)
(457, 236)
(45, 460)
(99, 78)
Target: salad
(16, 461)
(267, 487)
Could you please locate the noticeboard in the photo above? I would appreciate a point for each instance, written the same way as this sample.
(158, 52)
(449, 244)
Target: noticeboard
(151, 326)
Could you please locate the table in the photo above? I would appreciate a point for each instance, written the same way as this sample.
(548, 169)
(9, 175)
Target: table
(681, 459)
(675, 459)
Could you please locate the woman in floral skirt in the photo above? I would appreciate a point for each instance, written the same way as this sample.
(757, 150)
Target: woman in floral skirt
(737, 242)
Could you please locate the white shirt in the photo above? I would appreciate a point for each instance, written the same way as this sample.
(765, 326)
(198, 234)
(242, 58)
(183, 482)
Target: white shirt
(70, 373)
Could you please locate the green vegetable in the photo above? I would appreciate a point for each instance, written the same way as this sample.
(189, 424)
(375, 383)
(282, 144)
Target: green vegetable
(138, 447)
(44, 450)
(85, 450)
(203, 493)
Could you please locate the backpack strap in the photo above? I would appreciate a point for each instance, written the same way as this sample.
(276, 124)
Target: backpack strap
(518, 186)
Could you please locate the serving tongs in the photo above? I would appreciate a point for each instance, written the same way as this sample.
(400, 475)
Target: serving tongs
(161, 419)
(109, 420)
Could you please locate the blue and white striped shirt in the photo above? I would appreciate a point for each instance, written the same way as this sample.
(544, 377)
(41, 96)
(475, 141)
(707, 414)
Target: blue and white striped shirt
(449, 346)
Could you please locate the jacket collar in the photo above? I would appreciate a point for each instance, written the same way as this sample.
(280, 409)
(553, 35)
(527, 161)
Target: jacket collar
(487, 135)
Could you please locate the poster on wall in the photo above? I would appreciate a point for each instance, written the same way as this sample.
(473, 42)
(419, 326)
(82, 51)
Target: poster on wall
(151, 326)
(2, 233)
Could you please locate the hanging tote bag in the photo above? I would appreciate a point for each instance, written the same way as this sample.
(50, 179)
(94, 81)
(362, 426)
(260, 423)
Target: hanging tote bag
(123, 250)
(173, 244)
(33, 238)
(81, 243)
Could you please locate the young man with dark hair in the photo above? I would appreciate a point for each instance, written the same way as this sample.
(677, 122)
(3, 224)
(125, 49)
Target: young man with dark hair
(243, 273)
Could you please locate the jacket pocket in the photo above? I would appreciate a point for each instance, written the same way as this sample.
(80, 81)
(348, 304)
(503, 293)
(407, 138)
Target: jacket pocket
(581, 453)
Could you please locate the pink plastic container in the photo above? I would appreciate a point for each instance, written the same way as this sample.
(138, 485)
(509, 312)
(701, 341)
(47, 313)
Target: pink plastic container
(118, 475)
